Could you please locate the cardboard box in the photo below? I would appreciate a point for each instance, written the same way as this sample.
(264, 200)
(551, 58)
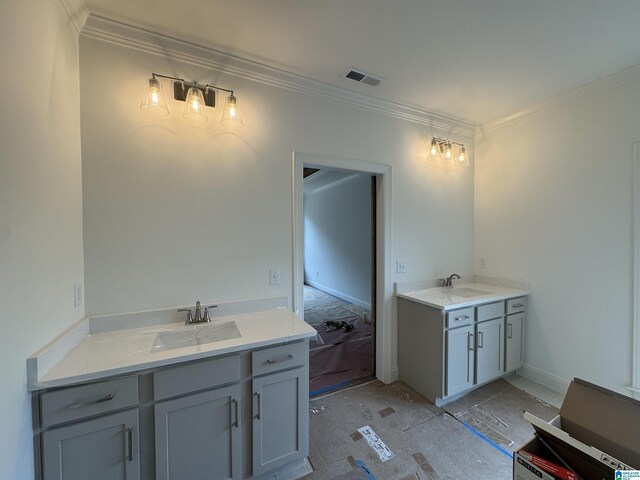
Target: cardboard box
(523, 469)
(596, 433)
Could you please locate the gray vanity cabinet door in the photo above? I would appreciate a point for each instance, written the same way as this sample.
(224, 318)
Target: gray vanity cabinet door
(102, 449)
(489, 350)
(514, 341)
(198, 436)
(460, 359)
(280, 402)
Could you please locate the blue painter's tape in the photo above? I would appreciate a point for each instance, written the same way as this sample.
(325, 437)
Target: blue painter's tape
(346, 383)
(361, 464)
(498, 447)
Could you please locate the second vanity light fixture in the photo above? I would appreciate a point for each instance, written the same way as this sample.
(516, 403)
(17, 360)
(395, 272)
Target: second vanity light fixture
(443, 149)
(195, 96)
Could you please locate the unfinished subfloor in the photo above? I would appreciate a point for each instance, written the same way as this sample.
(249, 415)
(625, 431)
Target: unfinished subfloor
(470, 438)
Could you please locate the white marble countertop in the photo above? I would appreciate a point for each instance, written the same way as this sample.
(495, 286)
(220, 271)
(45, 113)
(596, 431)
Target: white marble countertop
(106, 353)
(462, 295)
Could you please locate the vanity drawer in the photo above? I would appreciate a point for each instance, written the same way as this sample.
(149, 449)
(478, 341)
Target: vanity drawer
(74, 403)
(194, 376)
(490, 311)
(458, 318)
(515, 305)
(279, 358)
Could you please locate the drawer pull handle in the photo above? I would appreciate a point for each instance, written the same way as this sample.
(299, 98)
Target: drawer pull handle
(284, 358)
(463, 317)
(88, 403)
(480, 340)
(509, 330)
(517, 305)
(130, 444)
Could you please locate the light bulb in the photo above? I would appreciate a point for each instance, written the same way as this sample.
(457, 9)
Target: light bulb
(194, 105)
(153, 100)
(447, 150)
(463, 158)
(435, 148)
(230, 113)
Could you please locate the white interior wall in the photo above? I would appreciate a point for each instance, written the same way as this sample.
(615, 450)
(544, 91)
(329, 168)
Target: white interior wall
(175, 211)
(553, 205)
(337, 239)
(41, 203)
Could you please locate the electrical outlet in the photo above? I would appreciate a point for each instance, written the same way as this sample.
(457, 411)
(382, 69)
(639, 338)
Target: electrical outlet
(77, 295)
(401, 267)
(274, 276)
(483, 263)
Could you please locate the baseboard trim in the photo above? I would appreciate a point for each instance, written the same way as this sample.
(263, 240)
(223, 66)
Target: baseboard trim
(336, 293)
(546, 379)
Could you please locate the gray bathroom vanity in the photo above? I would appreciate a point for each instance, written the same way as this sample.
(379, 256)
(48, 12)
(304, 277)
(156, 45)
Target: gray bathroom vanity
(452, 340)
(119, 406)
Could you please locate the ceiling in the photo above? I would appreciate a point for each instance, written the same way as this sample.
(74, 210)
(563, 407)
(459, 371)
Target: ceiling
(473, 60)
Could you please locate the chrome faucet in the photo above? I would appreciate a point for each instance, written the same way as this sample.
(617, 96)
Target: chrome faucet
(448, 282)
(198, 318)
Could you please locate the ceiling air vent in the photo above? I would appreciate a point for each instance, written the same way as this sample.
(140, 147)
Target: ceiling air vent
(361, 77)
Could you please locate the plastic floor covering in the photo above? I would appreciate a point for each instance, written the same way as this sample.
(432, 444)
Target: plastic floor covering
(338, 357)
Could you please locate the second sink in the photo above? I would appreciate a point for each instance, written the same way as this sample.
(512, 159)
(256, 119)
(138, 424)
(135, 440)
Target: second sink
(464, 292)
(191, 336)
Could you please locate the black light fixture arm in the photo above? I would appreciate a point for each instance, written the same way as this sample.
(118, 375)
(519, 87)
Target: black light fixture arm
(443, 141)
(195, 84)
(154, 75)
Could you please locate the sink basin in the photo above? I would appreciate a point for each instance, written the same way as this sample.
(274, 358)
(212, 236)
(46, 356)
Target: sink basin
(195, 335)
(465, 292)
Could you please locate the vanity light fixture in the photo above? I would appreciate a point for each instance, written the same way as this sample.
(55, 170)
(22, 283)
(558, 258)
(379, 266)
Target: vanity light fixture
(195, 96)
(443, 149)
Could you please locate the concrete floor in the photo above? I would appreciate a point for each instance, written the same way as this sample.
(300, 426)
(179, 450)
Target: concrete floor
(468, 439)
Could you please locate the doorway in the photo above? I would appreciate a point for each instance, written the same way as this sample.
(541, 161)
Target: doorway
(385, 367)
(339, 281)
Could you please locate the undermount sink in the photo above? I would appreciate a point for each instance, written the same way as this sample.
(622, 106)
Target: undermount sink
(195, 335)
(464, 292)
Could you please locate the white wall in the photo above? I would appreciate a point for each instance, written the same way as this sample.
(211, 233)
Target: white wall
(40, 202)
(337, 239)
(169, 221)
(553, 205)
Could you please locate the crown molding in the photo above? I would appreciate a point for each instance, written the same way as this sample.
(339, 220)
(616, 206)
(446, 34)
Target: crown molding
(606, 83)
(77, 12)
(108, 30)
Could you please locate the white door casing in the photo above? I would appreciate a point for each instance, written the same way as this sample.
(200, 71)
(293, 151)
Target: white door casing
(386, 363)
(635, 353)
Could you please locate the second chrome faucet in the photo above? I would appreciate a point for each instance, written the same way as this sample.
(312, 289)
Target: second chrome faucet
(447, 282)
(198, 317)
